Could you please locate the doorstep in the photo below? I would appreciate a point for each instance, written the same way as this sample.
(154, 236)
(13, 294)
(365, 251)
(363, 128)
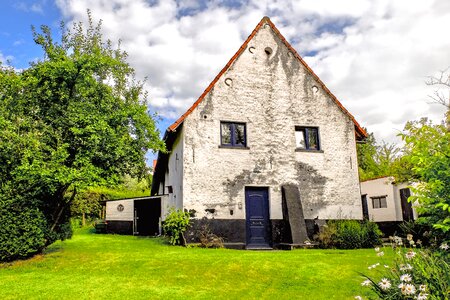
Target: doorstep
(290, 246)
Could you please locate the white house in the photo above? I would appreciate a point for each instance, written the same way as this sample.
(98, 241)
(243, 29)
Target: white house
(384, 200)
(264, 151)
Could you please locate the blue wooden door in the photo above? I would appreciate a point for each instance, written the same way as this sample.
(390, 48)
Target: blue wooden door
(257, 217)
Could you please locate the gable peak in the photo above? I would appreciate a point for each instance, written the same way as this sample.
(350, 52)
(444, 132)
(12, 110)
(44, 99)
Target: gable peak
(359, 131)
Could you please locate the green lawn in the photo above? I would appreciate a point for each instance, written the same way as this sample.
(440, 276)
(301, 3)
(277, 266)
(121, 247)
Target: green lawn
(91, 266)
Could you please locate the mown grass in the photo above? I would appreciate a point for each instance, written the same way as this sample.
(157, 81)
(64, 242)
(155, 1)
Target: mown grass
(92, 266)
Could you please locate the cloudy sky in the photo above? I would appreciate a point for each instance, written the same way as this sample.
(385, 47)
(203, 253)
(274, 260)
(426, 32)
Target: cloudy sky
(374, 55)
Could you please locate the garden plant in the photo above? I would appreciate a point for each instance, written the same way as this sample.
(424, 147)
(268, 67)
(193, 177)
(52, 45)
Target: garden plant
(415, 273)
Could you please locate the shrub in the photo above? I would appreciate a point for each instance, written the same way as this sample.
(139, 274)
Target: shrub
(425, 233)
(414, 274)
(209, 239)
(22, 231)
(176, 223)
(372, 234)
(349, 234)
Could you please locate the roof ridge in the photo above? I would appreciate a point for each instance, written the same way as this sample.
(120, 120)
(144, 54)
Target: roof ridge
(359, 130)
(211, 85)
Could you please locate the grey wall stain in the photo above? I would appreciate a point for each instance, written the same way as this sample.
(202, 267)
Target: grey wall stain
(208, 105)
(312, 185)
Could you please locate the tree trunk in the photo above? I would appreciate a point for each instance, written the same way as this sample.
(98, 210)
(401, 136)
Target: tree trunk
(83, 220)
(183, 240)
(63, 207)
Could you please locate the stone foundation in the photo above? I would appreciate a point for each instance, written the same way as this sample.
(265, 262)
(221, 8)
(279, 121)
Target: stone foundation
(234, 231)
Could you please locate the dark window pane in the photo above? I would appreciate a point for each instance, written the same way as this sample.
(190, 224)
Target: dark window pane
(313, 138)
(383, 202)
(239, 134)
(300, 139)
(376, 202)
(307, 138)
(226, 134)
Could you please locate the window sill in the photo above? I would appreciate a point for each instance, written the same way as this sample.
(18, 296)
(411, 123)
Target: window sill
(233, 147)
(308, 150)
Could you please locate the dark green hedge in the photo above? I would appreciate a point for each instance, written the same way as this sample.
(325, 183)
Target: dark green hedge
(22, 230)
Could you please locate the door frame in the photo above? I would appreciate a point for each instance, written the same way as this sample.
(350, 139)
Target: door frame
(407, 210)
(268, 224)
(151, 223)
(365, 207)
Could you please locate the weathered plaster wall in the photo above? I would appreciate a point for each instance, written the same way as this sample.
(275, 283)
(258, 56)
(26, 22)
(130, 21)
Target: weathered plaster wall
(174, 175)
(272, 94)
(380, 187)
(113, 214)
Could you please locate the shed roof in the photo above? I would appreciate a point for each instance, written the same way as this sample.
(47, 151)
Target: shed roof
(359, 131)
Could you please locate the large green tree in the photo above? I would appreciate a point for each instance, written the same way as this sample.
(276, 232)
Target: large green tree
(427, 150)
(75, 119)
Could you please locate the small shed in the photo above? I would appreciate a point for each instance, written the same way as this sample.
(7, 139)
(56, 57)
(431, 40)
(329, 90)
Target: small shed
(385, 201)
(134, 216)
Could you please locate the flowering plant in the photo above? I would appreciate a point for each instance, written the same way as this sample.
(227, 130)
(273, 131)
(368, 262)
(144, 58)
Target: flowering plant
(415, 273)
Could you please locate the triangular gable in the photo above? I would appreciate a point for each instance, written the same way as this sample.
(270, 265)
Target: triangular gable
(360, 132)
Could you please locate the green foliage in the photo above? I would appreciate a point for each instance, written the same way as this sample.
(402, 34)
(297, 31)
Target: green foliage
(71, 121)
(376, 160)
(127, 188)
(427, 149)
(86, 207)
(414, 274)
(350, 234)
(366, 158)
(175, 225)
(23, 229)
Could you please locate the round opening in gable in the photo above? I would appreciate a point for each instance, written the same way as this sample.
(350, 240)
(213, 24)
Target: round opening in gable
(268, 50)
(229, 81)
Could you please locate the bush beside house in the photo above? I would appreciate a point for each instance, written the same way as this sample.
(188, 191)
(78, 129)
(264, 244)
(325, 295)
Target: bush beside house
(350, 234)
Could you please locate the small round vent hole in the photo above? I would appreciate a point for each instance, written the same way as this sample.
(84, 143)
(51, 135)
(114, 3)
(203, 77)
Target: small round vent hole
(268, 50)
(229, 81)
(251, 49)
(315, 89)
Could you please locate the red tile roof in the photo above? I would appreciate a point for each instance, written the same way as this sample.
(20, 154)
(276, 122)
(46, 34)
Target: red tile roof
(360, 132)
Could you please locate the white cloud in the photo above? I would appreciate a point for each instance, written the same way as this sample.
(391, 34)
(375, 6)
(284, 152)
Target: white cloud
(5, 59)
(36, 7)
(373, 55)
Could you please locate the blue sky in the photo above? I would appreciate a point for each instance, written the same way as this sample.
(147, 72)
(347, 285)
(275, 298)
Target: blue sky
(374, 55)
(16, 19)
